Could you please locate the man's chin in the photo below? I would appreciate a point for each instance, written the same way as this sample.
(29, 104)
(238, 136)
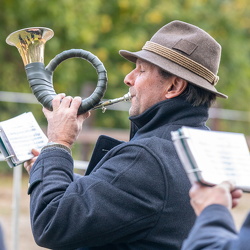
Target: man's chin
(133, 112)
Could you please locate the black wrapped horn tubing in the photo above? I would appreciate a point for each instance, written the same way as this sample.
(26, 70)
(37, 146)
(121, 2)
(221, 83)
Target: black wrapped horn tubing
(41, 82)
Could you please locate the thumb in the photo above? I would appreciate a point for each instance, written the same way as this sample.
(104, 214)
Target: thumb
(46, 112)
(195, 187)
(35, 152)
(228, 185)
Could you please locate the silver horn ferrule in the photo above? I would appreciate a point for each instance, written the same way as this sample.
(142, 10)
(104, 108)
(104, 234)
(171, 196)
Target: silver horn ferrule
(102, 105)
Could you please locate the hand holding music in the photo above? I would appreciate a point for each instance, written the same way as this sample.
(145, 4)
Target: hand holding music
(223, 194)
(28, 164)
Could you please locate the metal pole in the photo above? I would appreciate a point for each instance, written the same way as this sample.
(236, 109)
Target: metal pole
(17, 177)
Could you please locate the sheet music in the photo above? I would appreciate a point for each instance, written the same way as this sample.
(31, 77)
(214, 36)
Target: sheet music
(23, 133)
(219, 155)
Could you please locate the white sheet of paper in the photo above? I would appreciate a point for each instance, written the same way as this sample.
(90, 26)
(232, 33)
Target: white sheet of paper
(219, 155)
(24, 134)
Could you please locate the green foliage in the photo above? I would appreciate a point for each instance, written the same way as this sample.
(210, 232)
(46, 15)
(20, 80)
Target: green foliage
(104, 28)
(4, 168)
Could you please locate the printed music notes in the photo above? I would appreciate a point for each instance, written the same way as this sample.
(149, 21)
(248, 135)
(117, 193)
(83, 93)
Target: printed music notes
(18, 136)
(211, 157)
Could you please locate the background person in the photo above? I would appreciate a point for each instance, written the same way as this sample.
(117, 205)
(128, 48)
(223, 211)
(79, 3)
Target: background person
(134, 194)
(214, 227)
(2, 245)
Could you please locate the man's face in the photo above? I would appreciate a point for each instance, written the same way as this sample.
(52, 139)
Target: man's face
(146, 86)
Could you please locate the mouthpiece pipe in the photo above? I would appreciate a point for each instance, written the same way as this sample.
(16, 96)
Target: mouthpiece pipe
(102, 105)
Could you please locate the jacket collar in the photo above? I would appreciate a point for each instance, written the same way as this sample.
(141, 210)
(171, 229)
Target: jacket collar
(172, 111)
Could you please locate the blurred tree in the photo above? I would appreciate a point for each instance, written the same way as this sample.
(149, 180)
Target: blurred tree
(105, 28)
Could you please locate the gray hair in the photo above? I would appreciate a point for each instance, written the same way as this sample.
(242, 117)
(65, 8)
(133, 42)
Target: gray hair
(193, 94)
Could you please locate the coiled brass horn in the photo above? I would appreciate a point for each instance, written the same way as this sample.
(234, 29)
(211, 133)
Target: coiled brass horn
(30, 44)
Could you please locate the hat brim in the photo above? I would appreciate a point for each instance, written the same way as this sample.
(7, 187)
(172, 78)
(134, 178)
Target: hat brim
(172, 68)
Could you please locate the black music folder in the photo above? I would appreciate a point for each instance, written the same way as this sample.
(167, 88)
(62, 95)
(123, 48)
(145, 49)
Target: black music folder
(211, 157)
(18, 136)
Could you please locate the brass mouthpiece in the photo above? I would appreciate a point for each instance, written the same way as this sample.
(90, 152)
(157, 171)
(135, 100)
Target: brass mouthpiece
(102, 105)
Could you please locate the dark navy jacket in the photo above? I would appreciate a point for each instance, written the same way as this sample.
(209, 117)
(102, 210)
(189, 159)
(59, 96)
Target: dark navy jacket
(215, 229)
(134, 195)
(2, 245)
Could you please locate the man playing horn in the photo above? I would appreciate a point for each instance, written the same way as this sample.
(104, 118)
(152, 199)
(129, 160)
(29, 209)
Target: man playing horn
(134, 194)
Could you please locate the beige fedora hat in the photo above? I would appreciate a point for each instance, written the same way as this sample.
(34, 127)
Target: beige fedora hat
(185, 51)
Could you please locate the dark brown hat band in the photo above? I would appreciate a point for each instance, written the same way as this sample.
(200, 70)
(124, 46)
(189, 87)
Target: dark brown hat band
(182, 61)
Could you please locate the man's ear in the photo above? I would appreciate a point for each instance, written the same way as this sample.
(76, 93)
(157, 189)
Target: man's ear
(176, 87)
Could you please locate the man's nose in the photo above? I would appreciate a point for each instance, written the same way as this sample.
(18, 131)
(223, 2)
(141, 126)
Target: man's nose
(129, 79)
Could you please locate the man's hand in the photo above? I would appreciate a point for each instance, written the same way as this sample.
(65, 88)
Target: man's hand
(224, 194)
(28, 164)
(64, 125)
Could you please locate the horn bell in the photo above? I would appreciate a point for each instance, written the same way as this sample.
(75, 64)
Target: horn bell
(30, 43)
